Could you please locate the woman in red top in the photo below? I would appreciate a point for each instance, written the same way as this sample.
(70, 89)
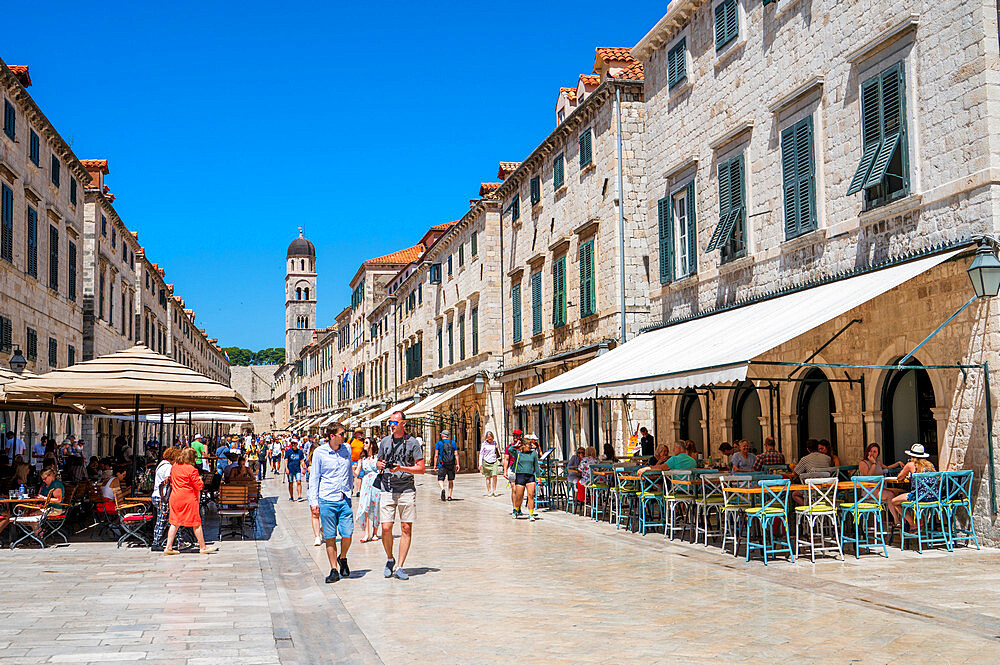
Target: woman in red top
(185, 486)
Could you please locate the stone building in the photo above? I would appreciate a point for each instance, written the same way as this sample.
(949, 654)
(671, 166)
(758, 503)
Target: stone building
(300, 295)
(41, 241)
(256, 384)
(563, 211)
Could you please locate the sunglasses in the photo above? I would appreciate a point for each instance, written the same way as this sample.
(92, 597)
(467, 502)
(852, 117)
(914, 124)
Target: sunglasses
(393, 423)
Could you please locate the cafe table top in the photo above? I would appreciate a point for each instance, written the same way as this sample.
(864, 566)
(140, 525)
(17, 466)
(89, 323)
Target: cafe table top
(33, 499)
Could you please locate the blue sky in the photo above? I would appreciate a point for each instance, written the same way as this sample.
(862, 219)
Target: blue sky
(228, 125)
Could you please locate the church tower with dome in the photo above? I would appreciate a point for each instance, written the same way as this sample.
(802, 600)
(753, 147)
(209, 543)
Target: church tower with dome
(300, 296)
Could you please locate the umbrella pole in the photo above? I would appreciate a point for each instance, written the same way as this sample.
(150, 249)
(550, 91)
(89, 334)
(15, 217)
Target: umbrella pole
(173, 428)
(190, 429)
(135, 445)
(13, 444)
(160, 437)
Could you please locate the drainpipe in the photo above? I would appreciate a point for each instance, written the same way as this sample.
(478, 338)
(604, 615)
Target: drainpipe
(621, 208)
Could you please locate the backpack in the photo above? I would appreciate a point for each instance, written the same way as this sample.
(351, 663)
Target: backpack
(447, 455)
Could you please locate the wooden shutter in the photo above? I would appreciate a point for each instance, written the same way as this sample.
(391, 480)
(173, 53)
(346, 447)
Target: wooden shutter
(6, 223)
(664, 216)
(559, 293)
(515, 301)
(727, 25)
(585, 148)
(53, 257)
(32, 242)
(677, 63)
(692, 231)
(536, 303)
(587, 297)
(558, 171)
(871, 132)
(475, 331)
(536, 190)
(891, 108)
(798, 178)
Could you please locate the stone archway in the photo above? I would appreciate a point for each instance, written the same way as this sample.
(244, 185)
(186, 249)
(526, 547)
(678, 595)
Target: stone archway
(815, 408)
(746, 415)
(691, 420)
(908, 404)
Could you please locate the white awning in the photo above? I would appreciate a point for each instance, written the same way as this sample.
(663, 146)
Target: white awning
(354, 420)
(718, 348)
(329, 419)
(427, 406)
(398, 406)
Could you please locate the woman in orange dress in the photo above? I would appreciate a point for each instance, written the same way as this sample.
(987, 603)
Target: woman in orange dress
(185, 486)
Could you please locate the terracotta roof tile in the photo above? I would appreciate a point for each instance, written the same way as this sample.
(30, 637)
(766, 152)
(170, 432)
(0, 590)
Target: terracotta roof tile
(570, 93)
(633, 72)
(408, 255)
(506, 168)
(486, 189)
(590, 79)
(96, 165)
(21, 72)
(615, 54)
(442, 227)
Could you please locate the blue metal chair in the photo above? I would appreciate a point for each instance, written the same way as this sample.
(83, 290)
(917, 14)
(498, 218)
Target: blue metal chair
(957, 496)
(623, 494)
(734, 507)
(864, 509)
(925, 504)
(597, 492)
(773, 508)
(681, 495)
(651, 495)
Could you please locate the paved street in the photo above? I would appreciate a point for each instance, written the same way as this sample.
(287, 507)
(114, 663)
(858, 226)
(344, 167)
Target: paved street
(487, 589)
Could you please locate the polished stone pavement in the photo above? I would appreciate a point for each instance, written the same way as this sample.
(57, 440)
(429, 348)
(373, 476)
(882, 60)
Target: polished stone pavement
(488, 589)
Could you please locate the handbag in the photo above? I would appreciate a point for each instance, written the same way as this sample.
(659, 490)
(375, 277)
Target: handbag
(511, 475)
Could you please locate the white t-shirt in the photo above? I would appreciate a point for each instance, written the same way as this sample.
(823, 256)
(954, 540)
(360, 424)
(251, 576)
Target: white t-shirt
(18, 446)
(162, 473)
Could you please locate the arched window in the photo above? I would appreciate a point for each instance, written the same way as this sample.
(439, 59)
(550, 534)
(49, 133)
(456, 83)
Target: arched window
(690, 420)
(907, 413)
(306, 322)
(816, 409)
(746, 416)
(291, 265)
(298, 293)
(307, 293)
(302, 265)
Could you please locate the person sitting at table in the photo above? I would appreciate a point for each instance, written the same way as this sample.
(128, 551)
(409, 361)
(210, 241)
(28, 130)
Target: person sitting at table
(830, 450)
(684, 456)
(94, 469)
(769, 457)
(74, 472)
(116, 481)
(726, 450)
(871, 465)
(19, 474)
(691, 449)
(609, 453)
(812, 460)
(573, 467)
(918, 463)
(659, 460)
(239, 472)
(743, 459)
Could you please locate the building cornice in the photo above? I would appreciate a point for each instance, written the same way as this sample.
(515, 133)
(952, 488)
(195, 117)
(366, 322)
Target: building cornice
(678, 14)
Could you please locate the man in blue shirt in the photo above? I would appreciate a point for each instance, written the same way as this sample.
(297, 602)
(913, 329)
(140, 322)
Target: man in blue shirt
(331, 481)
(744, 459)
(221, 458)
(293, 468)
(446, 463)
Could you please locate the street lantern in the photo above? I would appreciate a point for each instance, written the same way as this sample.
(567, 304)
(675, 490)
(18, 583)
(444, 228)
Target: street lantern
(17, 362)
(479, 384)
(984, 271)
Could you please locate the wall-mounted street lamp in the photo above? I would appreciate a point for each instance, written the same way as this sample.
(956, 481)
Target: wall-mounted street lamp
(985, 269)
(17, 362)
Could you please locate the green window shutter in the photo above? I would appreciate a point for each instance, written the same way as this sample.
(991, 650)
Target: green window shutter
(727, 25)
(891, 82)
(677, 63)
(33, 242)
(587, 295)
(475, 331)
(585, 148)
(536, 190)
(515, 208)
(451, 343)
(461, 254)
(789, 182)
(559, 293)
(871, 132)
(806, 160)
(692, 231)
(558, 171)
(725, 209)
(6, 223)
(461, 337)
(536, 303)
(475, 243)
(664, 216)
(440, 349)
(515, 302)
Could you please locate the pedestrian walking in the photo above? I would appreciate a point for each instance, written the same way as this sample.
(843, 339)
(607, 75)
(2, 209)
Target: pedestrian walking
(508, 459)
(293, 469)
(489, 463)
(526, 470)
(253, 459)
(330, 498)
(367, 515)
(316, 524)
(262, 452)
(400, 456)
(185, 486)
(199, 450)
(161, 483)
(276, 453)
(446, 463)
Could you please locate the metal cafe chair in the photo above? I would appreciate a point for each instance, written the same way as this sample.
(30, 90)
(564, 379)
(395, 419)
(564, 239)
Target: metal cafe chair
(773, 508)
(925, 504)
(651, 496)
(865, 511)
(734, 507)
(820, 509)
(709, 499)
(956, 496)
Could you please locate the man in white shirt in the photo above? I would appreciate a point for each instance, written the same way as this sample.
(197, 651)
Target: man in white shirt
(13, 447)
(38, 453)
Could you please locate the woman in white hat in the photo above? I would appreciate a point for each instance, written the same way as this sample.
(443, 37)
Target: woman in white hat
(918, 463)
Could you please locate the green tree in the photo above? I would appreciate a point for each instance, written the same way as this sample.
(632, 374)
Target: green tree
(242, 357)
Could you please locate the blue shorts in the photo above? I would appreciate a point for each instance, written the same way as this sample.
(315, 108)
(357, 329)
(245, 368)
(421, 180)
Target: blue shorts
(336, 516)
(295, 477)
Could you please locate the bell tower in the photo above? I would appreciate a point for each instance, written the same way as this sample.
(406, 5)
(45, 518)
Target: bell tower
(300, 296)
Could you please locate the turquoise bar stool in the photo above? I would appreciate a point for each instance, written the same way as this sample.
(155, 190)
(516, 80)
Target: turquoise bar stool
(865, 514)
(622, 494)
(925, 505)
(734, 507)
(679, 499)
(651, 499)
(773, 508)
(956, 497)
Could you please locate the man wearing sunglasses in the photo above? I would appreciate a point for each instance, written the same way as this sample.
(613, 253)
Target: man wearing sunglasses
(399, 457)
(332, 478)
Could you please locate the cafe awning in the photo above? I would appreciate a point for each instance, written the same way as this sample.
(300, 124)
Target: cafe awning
(332, 417)
(398, 406)
(428, 405)
(718, 348)
(356, 419)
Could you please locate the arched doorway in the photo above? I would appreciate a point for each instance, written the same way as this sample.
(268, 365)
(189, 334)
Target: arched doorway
(907, 413)
(746, 416)
(815, 410)
(690, 421)
(50, 427)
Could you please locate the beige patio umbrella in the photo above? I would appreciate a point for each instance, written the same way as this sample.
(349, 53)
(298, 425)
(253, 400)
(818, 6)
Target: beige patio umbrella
(136, 379)
(18, 406)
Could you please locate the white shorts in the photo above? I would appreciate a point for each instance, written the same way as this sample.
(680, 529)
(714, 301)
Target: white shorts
(403, 503)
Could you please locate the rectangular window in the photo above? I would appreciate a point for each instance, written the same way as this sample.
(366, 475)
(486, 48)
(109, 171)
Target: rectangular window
(6, 335)
(125, 311)
(53, 352)
(677, 63)
(440, 349)
(420, 294)
(474, 249)
(461, 255)
(451, 343)
(32, 242)
(536, 303)
(450, 270)
(729, 235)
(70, 355)
(111, 304)
(588, 297)
(55, 171)
(475, 331)
(559, 293)
(515, 303)
(100, 304)
(34, 148)
(435, 273)
(727, 23)
(585, 148)
(31, 344)
(9, 120)
(6, 223)
(461, 337)
(114, 238)
(515, 208)
(536, 190)
(678, 234)
(798, 179)
(53, 258)
(104, 232)
(72, 191)
(558, 171)
(884, 171)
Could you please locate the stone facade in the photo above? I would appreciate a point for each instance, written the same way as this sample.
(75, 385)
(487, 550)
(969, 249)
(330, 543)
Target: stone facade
(256, 383)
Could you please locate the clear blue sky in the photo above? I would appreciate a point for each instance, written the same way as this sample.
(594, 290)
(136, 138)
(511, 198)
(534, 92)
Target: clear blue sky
(228, 125)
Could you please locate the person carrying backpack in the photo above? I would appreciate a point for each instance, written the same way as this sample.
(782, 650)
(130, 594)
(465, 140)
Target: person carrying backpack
(446, 461)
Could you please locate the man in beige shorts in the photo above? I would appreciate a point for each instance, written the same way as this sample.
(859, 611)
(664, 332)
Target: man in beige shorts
(399, 457)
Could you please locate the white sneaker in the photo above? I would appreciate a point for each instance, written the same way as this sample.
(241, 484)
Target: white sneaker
(319, 541)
